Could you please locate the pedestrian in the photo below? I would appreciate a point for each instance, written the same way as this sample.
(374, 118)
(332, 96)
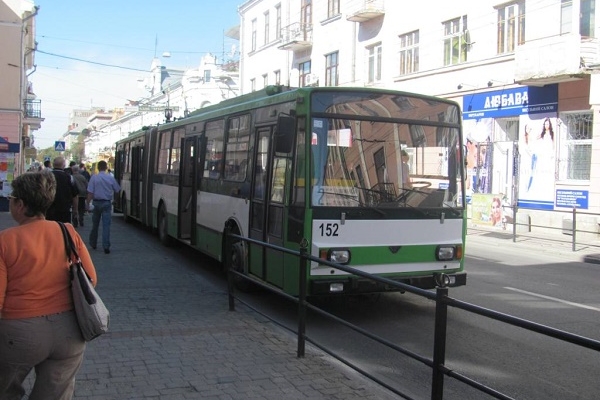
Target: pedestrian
(65, 200)
(81, 184)
(47, 165)
(101, 190)
(84, 171)
(38, 327)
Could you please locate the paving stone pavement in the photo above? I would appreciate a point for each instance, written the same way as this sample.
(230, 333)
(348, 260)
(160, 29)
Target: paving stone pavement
(172, 336)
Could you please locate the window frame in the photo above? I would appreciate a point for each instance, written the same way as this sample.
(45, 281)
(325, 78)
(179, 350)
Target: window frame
(409, 52)
(331, 68)
(571, 157)
(267, 27)
(374, 60)
(453, 41)
(304, 69)
(333, 8)
(510, 27)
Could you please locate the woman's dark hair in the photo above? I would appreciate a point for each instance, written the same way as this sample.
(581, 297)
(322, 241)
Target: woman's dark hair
(549, 128)
(36, 190)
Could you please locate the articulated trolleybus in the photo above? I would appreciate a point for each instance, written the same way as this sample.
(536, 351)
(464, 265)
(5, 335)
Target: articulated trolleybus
(368, 178)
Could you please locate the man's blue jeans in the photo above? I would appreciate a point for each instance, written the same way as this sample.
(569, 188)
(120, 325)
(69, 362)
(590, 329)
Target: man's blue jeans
(102, 210)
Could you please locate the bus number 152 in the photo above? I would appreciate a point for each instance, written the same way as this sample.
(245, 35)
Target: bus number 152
(329, 229)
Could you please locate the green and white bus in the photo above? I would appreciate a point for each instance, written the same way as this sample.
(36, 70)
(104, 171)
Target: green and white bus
(368, 178)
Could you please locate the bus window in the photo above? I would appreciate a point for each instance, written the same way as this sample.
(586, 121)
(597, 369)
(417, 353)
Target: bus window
(162, 166)
(279, 173)
(176, 151)
(214, 149)
(236, 156)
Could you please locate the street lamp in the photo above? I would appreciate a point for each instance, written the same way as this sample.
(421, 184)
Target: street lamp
(168, 114)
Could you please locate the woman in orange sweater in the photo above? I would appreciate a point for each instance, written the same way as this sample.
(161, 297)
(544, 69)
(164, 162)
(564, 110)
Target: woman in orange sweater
(38, 327)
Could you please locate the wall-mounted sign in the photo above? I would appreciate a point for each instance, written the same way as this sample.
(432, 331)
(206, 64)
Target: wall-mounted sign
(511, 102)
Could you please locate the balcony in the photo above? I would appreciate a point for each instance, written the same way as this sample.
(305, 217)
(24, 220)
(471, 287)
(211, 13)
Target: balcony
(296, 37)
(32, 114)
(366, 11)
(536, 62)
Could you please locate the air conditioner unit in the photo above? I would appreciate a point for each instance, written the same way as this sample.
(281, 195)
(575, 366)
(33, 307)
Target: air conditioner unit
(311, 80)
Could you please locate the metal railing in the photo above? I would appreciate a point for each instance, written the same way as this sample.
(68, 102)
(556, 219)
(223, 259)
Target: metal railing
(440, 296)
(573, 230)
(32, 108)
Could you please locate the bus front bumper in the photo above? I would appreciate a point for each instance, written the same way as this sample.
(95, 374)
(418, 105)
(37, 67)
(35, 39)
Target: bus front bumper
(358, 285)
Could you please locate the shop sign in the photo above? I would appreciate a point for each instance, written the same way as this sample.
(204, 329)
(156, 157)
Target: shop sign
(511, 102)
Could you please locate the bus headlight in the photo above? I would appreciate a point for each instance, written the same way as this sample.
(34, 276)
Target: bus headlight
(445, 253)
(340, 256)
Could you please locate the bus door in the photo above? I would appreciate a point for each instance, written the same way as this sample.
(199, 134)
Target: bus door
(188, 188)
(137, 180)
(260, 210)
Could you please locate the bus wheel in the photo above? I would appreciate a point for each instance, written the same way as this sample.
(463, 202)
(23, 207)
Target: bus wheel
(163, 231)
(239, 261)
(124, 209)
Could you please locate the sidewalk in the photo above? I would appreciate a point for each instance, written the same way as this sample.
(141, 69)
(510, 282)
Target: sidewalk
(173, 337)
(547, 240)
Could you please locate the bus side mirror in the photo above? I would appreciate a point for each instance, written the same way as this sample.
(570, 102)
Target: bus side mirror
(284, 135)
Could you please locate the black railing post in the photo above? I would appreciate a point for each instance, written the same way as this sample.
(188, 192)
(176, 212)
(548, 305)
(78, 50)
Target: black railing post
(439, 343)
(228, 244)
(302, 299)
(574, 239)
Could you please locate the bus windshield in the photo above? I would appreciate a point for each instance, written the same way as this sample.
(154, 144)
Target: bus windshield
(385, 150)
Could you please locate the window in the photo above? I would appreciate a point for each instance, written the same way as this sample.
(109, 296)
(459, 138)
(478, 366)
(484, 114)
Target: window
(576, 133)
(236, 156)
(379, 162)
(213, 165)
(455, 49)
(374, 63)
(511, 27)
(253, 40)
(162, 167)
(331, 69)
(409, 53)
(303, 71)
(278, 21)
(587, 16)
(277, 77)
(267, 27)
(566, 18)
(306, 14)
(176, 151)
(206, 75)
(333, 8)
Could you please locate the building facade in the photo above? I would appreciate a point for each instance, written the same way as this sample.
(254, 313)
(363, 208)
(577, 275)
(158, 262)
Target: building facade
(20, 110)
(524, 72)
(172, 94)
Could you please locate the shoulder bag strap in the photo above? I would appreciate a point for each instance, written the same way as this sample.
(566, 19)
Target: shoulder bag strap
(70, 247)
(67, 239)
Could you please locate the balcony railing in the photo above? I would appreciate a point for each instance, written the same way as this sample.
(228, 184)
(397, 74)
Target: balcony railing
(32, 108)
(296, 36)
(366, 10)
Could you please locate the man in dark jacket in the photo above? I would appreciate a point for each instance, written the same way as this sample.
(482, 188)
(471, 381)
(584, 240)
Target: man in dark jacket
(66, 194)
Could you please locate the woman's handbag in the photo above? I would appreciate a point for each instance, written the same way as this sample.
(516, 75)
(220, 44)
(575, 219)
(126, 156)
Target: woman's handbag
(92, 315)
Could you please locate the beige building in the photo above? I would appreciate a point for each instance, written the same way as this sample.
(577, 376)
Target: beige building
(20, 110)
(524, 72)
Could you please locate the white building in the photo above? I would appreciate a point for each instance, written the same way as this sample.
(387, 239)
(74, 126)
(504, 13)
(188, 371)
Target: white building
(511, 65)
(172, 94)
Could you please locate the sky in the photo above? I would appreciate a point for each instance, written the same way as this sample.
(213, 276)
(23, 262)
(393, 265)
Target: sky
(76, 37)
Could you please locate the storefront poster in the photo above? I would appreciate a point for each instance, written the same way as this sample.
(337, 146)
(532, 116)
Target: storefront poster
(538, 161)
(487, 210)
